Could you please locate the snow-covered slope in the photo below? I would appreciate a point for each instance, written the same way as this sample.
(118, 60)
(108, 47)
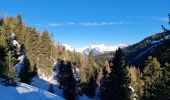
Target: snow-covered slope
(96, 49)
(42, 84)
(25, 92)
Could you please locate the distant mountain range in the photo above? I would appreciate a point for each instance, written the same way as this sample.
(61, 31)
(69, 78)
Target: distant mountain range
(96, 49)
(135, 54)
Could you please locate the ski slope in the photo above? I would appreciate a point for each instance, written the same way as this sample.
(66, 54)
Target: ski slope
(25, 92)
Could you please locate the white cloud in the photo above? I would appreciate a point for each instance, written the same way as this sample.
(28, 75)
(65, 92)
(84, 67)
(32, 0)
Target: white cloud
(100, 23)
(164, 19)
(54, 24)
(38, 24)
(70, 23)
(86, 23)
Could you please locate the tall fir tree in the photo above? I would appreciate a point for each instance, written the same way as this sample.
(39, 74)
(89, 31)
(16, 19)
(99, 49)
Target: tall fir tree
(153, 77)
(8, 57)
(9, 72)
(44, 53)
(25, 72)
(116, 87)
(32, 47)
(67, 80)
(91, 76)
(136, 83)
(167, 81)
(10, 68)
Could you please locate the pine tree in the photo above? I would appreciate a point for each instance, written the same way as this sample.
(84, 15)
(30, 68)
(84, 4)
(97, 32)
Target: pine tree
(116, 87)
(91, 76)
(136, 82)
(154, 89)
(25, 72)
(9, 59)
(167, 81)
(2, 54)
(32, 47)
(44, 53)
(9, 72)
(67, 81)
(104, 81)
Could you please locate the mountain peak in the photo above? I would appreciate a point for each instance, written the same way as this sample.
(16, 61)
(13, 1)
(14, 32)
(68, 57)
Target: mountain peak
(96, 49)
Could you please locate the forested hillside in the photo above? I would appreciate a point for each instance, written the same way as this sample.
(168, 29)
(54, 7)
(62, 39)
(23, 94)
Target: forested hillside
(140, 71)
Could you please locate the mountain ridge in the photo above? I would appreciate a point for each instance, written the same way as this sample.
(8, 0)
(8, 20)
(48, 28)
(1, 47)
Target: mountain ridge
(96, 49)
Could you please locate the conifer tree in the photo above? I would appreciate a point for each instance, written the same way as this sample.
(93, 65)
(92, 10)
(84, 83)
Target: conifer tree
(105, 80)
(136, 82)
(91, 76)
(154, 89)
(9, 72)
(44, 54)
(32, 44)
(167, 81)
(25, 72)
(2, 54)
(8, 59)
(67, 81)
(116, 87)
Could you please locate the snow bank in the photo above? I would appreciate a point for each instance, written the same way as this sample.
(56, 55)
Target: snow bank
(26, 92)
(42, 84)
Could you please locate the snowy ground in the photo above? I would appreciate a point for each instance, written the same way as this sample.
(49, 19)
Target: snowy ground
(42, 84)
(26, 92)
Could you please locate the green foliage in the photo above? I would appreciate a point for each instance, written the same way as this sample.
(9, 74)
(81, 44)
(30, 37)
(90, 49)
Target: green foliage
(90, 72)
(164, 52)
(91, 67)
(7, 58)
(38, 47)
(31, 45)
(116, 86)
(44, 53)
(25, 72)
(166, 82)
(154, 81)
(152, 70)
(9, 72)
(136, 82)
(67, 81)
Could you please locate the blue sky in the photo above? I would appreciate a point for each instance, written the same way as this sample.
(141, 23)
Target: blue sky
(85, 22)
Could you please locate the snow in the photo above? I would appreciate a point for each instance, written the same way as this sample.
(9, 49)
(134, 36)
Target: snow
(131, 88)
(84, 97)
(76, 73)
(15, 43)
(25, 92)
(100, 48)
(167, 37)
(68, 47)
(36, 81)
(156, 41)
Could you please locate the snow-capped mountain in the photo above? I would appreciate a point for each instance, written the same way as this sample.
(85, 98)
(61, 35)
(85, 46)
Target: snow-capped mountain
(96, 49)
